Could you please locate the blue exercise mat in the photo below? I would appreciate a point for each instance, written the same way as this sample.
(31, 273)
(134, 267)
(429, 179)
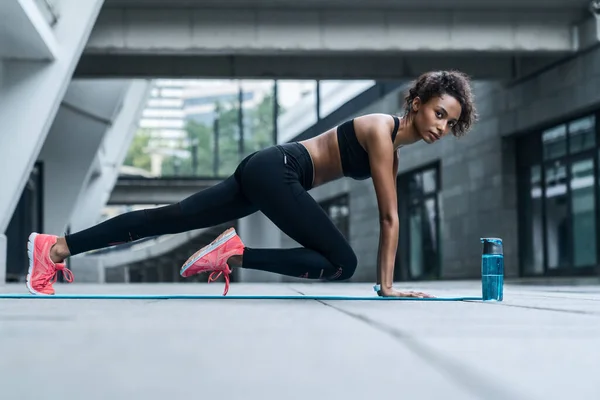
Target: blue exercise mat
(220, 297)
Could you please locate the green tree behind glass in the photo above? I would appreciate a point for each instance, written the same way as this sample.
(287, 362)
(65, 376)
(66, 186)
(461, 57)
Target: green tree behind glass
(136, 155)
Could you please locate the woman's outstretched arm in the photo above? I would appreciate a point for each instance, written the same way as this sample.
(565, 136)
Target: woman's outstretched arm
(381, 158)
(384, 166)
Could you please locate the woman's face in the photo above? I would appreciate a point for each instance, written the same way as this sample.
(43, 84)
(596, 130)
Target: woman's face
(436, 118)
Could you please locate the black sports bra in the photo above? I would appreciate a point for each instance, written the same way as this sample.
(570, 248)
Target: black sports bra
(355, 160)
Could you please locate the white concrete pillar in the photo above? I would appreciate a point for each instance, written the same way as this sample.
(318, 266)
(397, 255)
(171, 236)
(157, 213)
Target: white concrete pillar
(30, 96)
(256, 230)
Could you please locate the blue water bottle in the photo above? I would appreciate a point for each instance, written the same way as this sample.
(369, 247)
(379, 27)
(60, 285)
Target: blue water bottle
(492, 269)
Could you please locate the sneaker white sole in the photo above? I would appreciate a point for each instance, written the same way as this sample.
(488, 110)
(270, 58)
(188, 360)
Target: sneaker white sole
(30, 247)
(207, 250)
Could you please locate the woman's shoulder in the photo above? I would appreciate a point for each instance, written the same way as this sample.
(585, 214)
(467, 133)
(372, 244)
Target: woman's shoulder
(374, 122)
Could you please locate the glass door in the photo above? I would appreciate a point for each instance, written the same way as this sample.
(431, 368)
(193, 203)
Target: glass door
(423, 240)
(419, 249)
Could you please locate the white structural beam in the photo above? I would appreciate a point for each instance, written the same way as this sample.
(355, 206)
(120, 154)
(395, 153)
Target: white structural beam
(354, 4)
(260, 31)
(375, 66)
(25, 33)
(132, 191)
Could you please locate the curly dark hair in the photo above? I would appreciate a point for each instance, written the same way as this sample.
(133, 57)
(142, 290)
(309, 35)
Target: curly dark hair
(453, 83)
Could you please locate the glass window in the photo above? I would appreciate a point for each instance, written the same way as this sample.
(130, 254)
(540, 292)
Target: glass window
(203, 127)
(429, 181)
(297, 105)
(258, 114)
(416, 185)
(226, 128)
(335, 93)
(422, 183)
(554, 142)
(583, 210)
(582, 134)
(566, 181)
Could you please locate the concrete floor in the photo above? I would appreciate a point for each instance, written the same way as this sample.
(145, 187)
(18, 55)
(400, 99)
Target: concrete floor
(541, 342)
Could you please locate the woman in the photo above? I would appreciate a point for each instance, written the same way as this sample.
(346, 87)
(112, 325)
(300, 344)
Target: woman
(276, 181)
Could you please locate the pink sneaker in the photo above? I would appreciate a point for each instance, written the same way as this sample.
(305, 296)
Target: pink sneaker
(42, 271)
(213, 257)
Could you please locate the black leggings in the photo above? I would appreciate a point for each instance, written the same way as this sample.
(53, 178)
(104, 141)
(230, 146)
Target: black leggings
(275, 181)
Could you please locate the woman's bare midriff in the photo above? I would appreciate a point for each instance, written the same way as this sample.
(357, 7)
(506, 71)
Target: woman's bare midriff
(323, 150)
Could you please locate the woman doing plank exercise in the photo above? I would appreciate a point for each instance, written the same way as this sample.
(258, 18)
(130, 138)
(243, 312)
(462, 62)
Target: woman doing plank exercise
(276, 181)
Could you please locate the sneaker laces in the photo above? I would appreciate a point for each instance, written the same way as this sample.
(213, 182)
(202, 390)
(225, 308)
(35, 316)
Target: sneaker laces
(216, 274)
(67, 274)
(50, 275)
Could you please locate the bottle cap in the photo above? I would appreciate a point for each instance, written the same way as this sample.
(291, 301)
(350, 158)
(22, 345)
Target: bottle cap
(492, 246)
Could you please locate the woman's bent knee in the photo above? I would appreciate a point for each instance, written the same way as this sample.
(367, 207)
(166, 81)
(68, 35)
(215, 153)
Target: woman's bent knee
(346, 266)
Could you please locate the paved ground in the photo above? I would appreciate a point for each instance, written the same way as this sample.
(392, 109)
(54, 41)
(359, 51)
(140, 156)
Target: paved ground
(541, 342)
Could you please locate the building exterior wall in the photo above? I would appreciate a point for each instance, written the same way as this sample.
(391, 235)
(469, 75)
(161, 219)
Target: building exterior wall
(478, 178)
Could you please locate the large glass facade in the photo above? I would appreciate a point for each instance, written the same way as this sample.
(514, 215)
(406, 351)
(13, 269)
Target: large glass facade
(558, 198)
(418, 208)
(204, 128)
